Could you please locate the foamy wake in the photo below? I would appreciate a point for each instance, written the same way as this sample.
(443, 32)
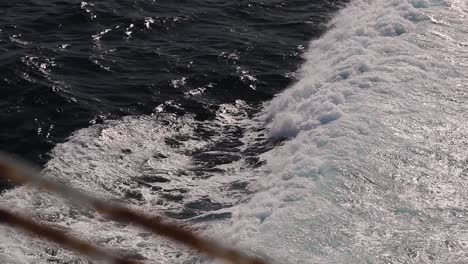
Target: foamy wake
(159, 164)
(374, 168)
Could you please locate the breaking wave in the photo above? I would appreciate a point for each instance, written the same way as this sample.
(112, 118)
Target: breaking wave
(375, 167)
(369, 163)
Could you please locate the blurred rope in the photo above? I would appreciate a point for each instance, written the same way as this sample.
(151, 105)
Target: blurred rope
(60, 237)
(23, 174)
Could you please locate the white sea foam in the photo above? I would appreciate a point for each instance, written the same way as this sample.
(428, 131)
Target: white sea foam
(374, 168)
(104, 160)
(111, 161)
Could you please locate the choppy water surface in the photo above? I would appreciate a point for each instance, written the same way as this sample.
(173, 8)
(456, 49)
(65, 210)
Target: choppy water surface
(361, 160)
(69, 64)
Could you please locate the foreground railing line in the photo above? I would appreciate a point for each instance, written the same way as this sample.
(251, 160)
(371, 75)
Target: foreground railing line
(22, 174)
(60, 237)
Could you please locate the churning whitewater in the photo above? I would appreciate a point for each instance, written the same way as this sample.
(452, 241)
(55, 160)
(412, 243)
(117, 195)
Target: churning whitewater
(372, 168)
(376, 168)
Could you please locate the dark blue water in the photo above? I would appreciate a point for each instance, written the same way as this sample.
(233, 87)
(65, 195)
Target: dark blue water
(66, 65)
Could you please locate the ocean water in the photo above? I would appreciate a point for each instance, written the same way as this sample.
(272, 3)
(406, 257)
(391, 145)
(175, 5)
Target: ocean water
(361, 159)
(67, 65)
